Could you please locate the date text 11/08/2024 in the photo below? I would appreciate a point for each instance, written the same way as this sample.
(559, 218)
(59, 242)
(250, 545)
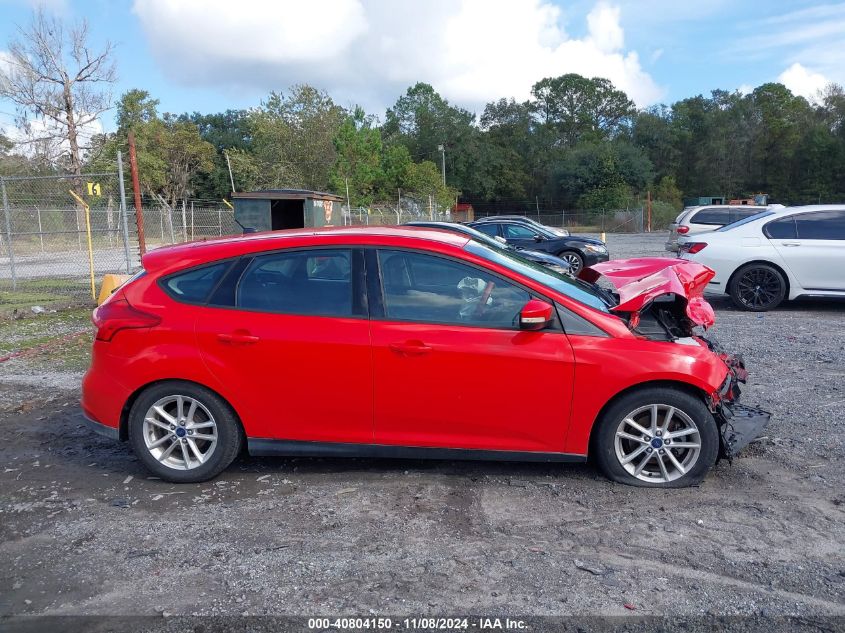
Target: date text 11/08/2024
(421, 623)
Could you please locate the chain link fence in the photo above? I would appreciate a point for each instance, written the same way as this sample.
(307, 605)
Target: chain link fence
(60, 234)
(186, 220)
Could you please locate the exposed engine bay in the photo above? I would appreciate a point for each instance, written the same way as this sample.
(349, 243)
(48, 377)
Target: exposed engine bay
(662, 299)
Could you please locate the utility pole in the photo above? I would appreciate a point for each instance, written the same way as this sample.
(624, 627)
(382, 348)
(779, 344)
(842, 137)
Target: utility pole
(231, 178)
(442, 149)
(136, 186)
(649, 210)
(348, 205)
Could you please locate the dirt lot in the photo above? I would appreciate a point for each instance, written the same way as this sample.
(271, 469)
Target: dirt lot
(85, 530)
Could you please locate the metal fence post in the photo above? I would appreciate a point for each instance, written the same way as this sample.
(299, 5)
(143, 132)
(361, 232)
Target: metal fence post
(123, 211)
(184, 223)
(11, 250)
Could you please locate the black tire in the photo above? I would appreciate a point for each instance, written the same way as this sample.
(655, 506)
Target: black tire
(604, 448)
(228, 431)
(574, 259)
(757, 287)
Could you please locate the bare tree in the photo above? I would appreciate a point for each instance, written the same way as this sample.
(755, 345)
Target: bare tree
(52, 75)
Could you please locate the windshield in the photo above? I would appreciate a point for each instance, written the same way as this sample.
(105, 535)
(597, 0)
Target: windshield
(576, 289)
(750, 218)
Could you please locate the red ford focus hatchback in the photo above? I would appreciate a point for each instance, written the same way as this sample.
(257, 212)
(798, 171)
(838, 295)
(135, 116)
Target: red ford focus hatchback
(412, 343)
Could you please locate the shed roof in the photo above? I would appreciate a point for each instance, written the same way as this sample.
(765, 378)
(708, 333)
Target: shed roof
(287, 194)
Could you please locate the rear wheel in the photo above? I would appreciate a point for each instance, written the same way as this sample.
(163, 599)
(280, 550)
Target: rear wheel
(657, 437)
(183, 432)
(575, 261)
(757, 287)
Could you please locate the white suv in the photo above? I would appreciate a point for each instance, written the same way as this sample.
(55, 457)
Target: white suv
(694, 220)
(775, 255)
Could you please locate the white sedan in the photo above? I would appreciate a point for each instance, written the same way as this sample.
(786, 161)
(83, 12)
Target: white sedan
(774, 255)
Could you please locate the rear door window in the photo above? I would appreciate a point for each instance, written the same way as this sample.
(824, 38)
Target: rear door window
(308, 282)
(488, 228)
(716, 217)
(740, 213)
(821, 225)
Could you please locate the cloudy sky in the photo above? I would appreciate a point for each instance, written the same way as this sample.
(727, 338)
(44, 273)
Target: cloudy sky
(210, 55)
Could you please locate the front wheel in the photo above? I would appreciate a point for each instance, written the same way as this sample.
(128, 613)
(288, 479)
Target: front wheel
(657, 437)
(575, 261)
(757, 287)
(182, 432)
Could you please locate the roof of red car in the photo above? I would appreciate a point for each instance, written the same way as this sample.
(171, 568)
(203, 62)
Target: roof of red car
(192, 253)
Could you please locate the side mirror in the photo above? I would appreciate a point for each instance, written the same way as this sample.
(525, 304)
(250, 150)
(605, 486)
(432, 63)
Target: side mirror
(538, 237)
(535, 315)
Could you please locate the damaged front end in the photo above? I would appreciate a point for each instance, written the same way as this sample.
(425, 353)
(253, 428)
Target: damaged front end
(661, 299)
(738, 424)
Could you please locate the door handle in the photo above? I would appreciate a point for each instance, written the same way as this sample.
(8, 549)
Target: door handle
(791, 244)
(410, 348)
(238, 337)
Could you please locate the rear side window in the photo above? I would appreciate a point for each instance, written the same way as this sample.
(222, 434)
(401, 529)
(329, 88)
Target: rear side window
(821, 225)
(313, 282)
(488, 228)
(782, 229)
(740, 213)
(716, 217)
(195, 285)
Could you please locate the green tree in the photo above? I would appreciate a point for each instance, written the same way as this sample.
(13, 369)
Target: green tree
(667, 191)
(424, 179)
(359, 159)
(227, 131)
(292, 139)
(422, 120)
(170, 152)
(574, 108)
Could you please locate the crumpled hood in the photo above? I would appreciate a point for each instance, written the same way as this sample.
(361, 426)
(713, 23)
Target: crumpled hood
(640, 281)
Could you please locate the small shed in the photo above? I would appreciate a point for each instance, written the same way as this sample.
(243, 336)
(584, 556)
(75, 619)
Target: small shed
(704, 201)
(277, 209)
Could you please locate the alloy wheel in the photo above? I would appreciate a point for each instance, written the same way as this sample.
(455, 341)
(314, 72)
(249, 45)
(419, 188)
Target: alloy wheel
(180, 432)
(758, 288)
(574, 262)
(657, 443)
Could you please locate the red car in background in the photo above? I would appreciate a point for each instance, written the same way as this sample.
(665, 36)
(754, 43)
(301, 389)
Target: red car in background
(411, 342)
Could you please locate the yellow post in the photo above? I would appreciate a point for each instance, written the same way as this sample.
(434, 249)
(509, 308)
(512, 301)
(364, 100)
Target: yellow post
(90, 245)
(228, 204)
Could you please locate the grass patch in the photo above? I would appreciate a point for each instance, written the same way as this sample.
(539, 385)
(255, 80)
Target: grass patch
(48, 293)
(21, 334)
(72, 354)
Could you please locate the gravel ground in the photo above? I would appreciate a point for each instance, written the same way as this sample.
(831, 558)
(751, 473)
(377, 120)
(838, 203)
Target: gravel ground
(85, 530)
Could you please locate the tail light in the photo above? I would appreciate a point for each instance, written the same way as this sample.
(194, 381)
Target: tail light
(116, 315)
(693, 247)
(683, 230)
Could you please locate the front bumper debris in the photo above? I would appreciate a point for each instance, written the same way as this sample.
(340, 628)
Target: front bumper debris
(739, 426)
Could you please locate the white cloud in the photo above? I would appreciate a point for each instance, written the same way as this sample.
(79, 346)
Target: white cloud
(745, 89)
(369, 51)
(812, 37)
(803, 82)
